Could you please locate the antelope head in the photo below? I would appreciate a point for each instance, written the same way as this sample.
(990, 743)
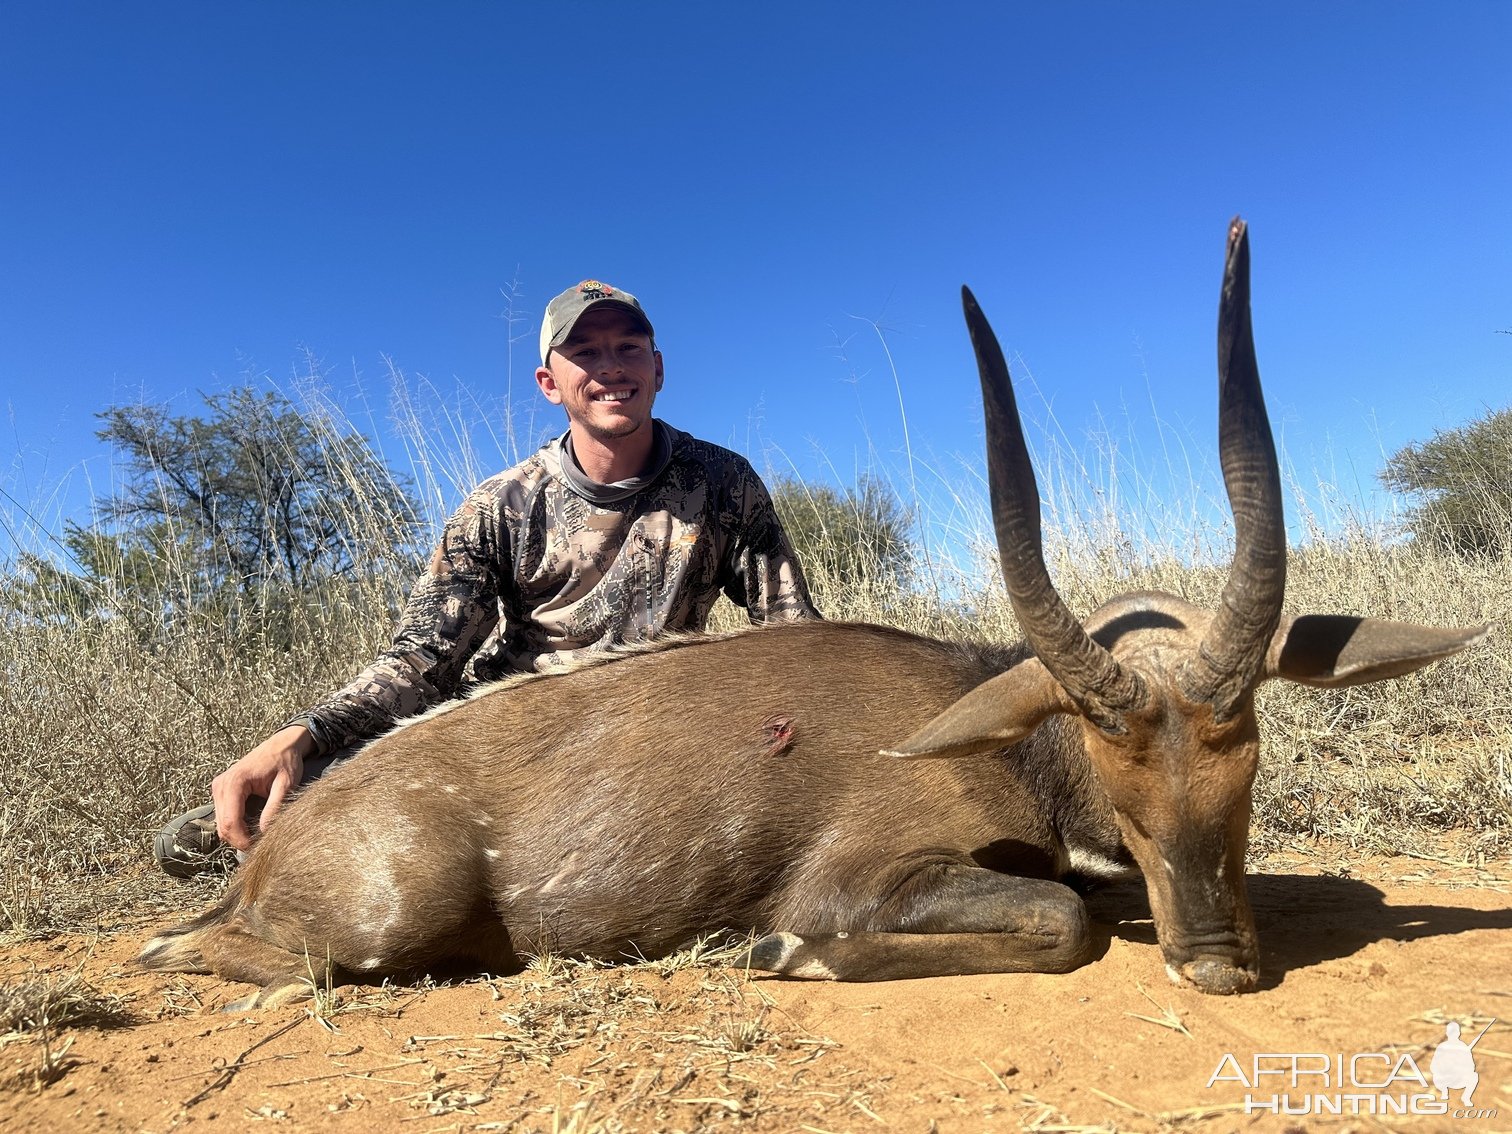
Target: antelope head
(1163, 690)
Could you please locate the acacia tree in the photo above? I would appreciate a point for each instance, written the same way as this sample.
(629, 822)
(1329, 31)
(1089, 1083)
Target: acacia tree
(251, 498)
(1462, 479)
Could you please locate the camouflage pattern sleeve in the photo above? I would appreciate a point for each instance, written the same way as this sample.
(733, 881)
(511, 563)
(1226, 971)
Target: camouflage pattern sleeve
(452, 609)
(763, 574)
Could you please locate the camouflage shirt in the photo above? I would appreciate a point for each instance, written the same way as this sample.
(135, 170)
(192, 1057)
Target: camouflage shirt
(540, 564)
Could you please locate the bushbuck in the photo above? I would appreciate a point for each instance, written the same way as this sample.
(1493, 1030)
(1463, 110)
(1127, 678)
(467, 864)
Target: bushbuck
(742, 782)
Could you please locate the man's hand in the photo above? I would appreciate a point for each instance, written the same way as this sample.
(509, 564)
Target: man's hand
(271, 770)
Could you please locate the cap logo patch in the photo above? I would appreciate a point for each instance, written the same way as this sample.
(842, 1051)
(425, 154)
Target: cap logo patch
(592, 289)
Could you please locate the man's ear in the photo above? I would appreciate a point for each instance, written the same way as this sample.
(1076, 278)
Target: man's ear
(660, 373)
(547, 382)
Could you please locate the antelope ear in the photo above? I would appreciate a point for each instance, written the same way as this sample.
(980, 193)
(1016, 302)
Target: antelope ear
(1000, 711)
(1334, 650)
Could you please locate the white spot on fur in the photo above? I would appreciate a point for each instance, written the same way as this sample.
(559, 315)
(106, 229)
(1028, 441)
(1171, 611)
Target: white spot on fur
(734, 828)
(812, 970)
(370, 964)
(483, 820)
(1095, 864)
(1169, 869)
(490, 852)
(415, 785)
(1173, 974)
(515, 893)
(450, 789)
(373, 900)
(567, 870)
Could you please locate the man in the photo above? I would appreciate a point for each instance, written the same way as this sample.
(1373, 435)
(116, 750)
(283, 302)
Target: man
(620, 530)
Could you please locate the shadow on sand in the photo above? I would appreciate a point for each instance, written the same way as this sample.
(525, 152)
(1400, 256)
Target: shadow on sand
(1304, 920)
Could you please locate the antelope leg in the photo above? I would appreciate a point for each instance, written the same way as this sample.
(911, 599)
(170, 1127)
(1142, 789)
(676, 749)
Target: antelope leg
(972, 921)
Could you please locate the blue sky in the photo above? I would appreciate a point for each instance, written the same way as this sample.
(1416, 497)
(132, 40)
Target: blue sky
(193, 193)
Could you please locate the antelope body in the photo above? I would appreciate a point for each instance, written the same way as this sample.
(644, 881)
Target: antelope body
(626, 807)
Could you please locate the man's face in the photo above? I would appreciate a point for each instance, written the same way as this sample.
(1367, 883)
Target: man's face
(606, 374)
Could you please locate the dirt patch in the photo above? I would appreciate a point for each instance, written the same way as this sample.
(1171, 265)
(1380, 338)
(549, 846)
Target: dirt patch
(1376, 958)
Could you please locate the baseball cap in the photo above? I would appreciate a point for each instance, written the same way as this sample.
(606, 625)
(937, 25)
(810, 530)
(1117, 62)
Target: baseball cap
(562, 313)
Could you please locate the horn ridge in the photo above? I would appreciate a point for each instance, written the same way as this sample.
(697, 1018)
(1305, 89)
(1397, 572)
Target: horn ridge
(1101, 688)
(1228, 661)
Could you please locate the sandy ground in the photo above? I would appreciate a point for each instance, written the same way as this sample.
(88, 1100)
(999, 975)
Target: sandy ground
(1372, 959)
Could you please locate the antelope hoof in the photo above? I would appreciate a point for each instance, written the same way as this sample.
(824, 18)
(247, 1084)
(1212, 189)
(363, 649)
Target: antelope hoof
(271, 996)
(1216, 976)
(789, 955)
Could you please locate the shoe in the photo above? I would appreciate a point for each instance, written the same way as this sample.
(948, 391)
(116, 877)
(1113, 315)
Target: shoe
(189, 846)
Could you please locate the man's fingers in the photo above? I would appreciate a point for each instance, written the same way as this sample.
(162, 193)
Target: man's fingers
(276, 796)
(231, 814)
(273, 769)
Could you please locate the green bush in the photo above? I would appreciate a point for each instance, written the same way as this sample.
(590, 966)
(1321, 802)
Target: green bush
(851, 535)
(1463, 479)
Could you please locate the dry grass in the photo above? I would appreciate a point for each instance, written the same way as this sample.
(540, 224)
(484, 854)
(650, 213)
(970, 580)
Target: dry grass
(116, 720)
(680, 1043)
(31, 1005)
(1374, 765)
(37, 1010)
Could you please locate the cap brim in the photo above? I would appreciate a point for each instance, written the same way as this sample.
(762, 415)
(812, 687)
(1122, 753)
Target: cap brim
(630, 309)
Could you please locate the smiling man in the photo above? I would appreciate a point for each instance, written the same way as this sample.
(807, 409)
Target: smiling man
(619, 530)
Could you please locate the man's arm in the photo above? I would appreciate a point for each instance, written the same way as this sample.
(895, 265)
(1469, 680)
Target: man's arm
(764, 574)
(451, 610)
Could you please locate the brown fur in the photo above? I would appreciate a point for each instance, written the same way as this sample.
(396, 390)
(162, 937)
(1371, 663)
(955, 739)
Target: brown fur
(635, 822)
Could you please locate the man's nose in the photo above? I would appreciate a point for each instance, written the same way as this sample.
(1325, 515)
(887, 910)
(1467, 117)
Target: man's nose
(609, 362)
